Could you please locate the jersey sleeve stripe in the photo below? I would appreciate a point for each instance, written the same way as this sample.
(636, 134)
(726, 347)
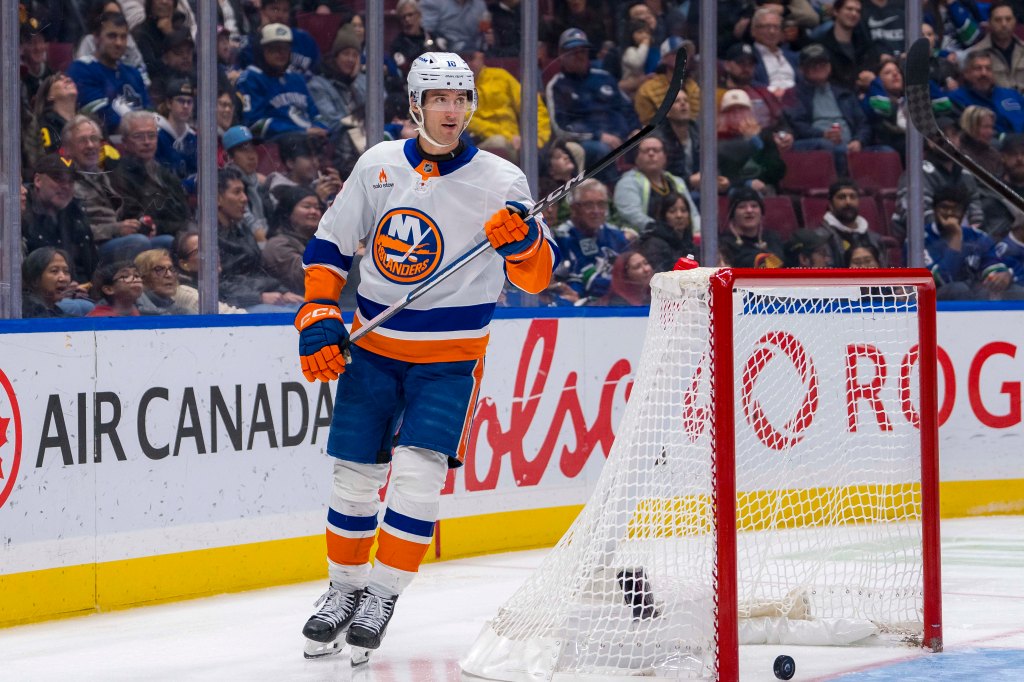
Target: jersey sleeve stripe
(321, 251)
(454, 318)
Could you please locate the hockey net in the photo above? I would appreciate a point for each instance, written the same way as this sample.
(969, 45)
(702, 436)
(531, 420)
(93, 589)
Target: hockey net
(773, 480)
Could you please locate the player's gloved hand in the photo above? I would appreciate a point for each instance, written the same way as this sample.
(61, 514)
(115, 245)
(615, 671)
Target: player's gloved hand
(511, 236)
(323, 340)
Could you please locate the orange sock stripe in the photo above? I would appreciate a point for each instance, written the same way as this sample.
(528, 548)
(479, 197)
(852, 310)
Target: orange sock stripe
(533, 274)
(348, 551)
(323, 283)
(401, 554)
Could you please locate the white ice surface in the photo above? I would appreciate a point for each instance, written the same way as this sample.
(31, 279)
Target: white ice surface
(256, 635)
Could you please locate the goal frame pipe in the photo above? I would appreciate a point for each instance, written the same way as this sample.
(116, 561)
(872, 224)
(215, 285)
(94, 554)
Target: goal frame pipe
(722, 285)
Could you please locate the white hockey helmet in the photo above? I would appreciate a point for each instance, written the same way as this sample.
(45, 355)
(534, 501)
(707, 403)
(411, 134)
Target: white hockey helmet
(440, 71)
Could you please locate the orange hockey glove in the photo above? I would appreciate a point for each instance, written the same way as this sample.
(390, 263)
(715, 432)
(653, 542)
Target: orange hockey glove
(323, 340)
(512, 237)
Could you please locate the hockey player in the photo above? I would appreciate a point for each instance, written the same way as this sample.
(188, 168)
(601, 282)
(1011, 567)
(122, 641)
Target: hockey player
(407, 390)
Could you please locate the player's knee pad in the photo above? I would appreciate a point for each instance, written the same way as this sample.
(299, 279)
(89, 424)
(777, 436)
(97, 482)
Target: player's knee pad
(357, 483)
(417, 474)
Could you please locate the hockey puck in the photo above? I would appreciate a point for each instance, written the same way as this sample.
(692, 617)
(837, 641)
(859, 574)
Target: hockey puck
(785, 667)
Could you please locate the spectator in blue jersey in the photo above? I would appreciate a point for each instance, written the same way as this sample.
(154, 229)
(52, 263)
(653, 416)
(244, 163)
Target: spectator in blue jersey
(1010, 250)
(304, 58)
(882, 105)
(274, 101)
(963, 260)
(586, 105)
(177, 143)
(86, 47)
(979, 87)
(107, 87)
(957, 23)
(457, 21)
(588, 243)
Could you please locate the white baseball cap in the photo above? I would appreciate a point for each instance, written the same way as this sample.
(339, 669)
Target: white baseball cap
(275, 33)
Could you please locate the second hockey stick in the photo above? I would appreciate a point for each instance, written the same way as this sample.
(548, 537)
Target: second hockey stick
(919, 110)
(674, 85)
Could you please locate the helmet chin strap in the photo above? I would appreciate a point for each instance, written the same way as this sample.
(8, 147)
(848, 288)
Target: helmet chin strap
(417, 116)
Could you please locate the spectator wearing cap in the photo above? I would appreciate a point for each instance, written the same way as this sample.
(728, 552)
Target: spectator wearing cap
(641, 191)
(243, 157)
(979, 87)
(588, 243)
(304, 57)
(108, 88)
(34, 49)
(883, 106)
(1003, 45)
(586, 105)
(162, 19)
(151, 193)
(1000, 216)
(843, 227)
(652, 91)
(747, 242)
(776, 67)
(457, 21)
(177, 143)
(275, 101)
(849, 47)
(808, 249)
(301, 167)
(54, 218)
(748, 155)
(939, 171)
(739, 64)
(495, 123)
(824, 115)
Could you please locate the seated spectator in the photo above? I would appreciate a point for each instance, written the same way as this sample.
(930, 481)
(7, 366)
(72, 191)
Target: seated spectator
(652, 91)
(634, 57)
(302, 167)
(943, 73)
(963, 260)
(586, 105)
(808, 249)
(108, 88)
(849, 47)
(682, 146)
(159, 284)
(304, 57)
(227, 111)
(34, 66)
(506, 29)
(670, 237)
(177, 146)
(630, 281)
(244, 282)
(117, 286)
(151, 193)
(843, 226)
(748, 155)
(87, 45)
(590, 16)
(227, 55)
(883, 106)
(412, 40)
(135, 12)
(641, 190)
(1000, 215)
(884, 22)
(977, 135)
(45, 277)
(587, 243)
(776, 67)
(956, 23)
(295, 219)
(862, 256)
(739, 75)
(495, 123)
(275, 101)
(979, 87)
(747, 242)
(824, 115)
(639, 11)
(117, 236)
(1003, 46)
(243, 157)
(341, 91)
(457, 21)
(54, 218)
(56, 104)
(177, 63)
(185, 255)
(161, 21)
(1010, 250)
(560, 161)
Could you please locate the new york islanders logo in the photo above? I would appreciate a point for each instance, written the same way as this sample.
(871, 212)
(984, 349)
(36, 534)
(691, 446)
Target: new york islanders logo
(407, 245)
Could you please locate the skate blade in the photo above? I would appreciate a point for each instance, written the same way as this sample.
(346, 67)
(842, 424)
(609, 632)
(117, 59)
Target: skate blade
(314, 649)
(360, 656)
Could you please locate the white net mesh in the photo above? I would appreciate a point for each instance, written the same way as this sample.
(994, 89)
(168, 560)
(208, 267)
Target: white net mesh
(827, 504)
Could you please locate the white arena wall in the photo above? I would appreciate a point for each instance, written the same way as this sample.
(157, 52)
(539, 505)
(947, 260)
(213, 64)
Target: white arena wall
(141, 464)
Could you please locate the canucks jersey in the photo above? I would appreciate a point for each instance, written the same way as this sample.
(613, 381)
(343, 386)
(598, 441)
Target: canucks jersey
(273, 106)
(108, 93)
(1011, 251)
(415, 217)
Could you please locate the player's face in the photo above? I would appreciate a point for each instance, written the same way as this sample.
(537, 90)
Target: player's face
(444, 112)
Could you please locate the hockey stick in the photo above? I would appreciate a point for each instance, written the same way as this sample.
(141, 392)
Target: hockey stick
(557, 195)
(919, 109)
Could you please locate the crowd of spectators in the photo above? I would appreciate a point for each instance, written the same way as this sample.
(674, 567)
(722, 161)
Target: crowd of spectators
(810, 138)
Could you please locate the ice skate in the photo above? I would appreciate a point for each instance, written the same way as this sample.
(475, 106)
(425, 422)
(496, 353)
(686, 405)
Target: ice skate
(638, 593)
(369, 625)
(324, 629)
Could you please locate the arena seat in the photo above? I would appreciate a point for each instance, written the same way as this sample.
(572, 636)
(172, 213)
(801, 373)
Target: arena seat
(808, 173)
(876, 172)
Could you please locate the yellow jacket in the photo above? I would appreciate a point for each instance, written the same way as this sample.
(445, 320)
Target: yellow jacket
(497, 111)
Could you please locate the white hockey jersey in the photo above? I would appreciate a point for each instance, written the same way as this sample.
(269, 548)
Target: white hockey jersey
(415, 216)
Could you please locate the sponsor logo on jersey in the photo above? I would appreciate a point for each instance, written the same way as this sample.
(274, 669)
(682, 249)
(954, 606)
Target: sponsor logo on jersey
(382, 181)
(407, 245)
(10, 438)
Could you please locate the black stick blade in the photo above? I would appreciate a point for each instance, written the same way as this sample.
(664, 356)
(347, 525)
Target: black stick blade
(919, 101)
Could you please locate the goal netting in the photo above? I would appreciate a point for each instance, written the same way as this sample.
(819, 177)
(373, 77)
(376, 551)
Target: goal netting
(772, 481)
